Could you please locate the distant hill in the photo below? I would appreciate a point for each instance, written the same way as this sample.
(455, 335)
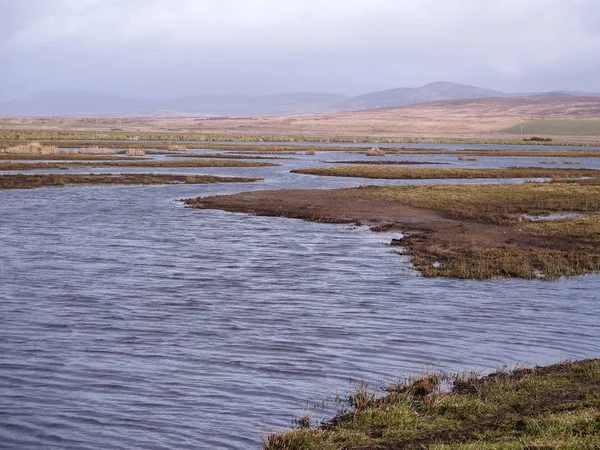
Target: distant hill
(409, 96)
(71, 102)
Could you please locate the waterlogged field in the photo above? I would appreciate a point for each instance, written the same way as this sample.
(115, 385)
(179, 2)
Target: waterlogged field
(129, 321)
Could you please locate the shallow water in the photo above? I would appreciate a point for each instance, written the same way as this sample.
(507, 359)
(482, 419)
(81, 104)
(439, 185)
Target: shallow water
(128, 321)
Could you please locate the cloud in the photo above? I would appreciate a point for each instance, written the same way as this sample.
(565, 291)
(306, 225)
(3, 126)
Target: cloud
(508, 41)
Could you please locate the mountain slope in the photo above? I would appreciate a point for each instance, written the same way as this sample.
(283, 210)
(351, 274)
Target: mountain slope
(429, 93)
(71, 102)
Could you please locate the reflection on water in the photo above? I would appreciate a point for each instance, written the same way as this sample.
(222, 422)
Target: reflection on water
(129, 321)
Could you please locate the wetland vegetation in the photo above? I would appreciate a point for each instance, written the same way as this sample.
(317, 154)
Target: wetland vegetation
(21, 181)
(132, 163)
(461, 231)
(26, 134)
(554, 407)
(384, 172)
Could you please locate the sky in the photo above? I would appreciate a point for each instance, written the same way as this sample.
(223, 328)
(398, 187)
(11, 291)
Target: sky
(169, 48)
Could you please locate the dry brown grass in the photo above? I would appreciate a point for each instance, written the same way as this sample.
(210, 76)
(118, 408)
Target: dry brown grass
(375, 151)
(585, 228)
(136, 152)
(176, 147)
(50, 180)
(504, 262)
(95, 151)
(128, 163)
(34, 148)
(498, 204)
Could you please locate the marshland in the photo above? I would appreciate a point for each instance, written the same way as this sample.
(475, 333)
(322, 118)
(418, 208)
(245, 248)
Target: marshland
(124, 282)
(277, 225)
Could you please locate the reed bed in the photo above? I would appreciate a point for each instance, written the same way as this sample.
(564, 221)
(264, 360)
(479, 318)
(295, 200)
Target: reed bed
(95, 151)
(32, 148)
(176, 147)
(60, 156)
(136, 152)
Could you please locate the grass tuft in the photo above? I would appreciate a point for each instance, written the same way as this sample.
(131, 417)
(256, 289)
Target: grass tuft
(540, 408)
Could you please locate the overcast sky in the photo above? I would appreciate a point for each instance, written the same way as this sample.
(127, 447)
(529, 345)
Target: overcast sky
(161, 48)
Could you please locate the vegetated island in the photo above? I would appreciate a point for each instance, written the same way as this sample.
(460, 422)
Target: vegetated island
(401, 173)
(463, 231)
(554, 407)
(21, 181)
(137, 163)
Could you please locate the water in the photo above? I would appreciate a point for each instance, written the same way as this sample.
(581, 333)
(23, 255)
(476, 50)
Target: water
(128, 321)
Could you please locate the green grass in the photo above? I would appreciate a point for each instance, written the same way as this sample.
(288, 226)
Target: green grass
(556, 407)
(557, 127)
(385, 172)
(37, 181)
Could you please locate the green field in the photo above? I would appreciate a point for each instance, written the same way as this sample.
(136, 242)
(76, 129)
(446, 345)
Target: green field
(557, 127)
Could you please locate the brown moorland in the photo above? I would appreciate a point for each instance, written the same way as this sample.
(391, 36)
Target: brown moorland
(472, 118)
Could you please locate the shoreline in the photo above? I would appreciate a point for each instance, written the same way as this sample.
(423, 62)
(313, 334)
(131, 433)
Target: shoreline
(549, 407)
(440, 243)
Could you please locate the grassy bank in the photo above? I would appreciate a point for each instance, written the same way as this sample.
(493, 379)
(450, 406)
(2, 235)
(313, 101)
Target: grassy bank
(38, 181)
(383, 172)
(564, 247)
(497, 204)
(133, 163)
(555, 407)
